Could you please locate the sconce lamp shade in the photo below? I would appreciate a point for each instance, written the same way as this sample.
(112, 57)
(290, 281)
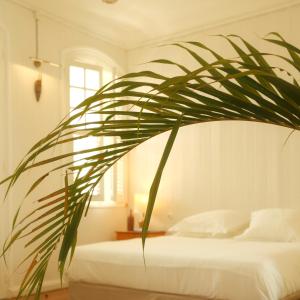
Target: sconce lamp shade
(38, 89)
(140, 202)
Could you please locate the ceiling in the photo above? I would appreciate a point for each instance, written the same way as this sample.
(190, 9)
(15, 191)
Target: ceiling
(132, 23)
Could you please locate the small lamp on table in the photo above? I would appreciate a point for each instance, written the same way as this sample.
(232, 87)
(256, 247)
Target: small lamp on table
(140, 204)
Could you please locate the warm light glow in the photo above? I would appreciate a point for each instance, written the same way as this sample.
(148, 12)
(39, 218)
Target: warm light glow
(140, 201)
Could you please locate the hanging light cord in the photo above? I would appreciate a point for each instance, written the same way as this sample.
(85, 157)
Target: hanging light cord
(36, 36)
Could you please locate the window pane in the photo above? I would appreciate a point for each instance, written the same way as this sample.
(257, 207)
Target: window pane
(92, 79)
(120, 177)
(86, 143)
(108, 140)
(83, 144)
(109, 175)
(84, 83)
(76, 96)
(89, 93)
(92, 118)
(109, 185)
(76, 76)
(77, 120)
(97, 190)
(107, 76)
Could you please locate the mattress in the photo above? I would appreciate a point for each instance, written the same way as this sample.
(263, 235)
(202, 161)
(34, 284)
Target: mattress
(211, 268)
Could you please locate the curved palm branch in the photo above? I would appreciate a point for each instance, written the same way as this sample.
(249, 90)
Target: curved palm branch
(135, 108)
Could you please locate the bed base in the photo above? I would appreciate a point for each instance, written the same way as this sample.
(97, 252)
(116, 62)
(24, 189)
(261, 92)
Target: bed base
(84, 291)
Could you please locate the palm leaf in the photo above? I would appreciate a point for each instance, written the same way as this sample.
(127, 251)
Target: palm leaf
(134, 108)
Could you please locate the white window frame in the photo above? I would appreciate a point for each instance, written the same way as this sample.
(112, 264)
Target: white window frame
(84, 60)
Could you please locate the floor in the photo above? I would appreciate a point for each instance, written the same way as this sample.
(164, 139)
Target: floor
(61, 294)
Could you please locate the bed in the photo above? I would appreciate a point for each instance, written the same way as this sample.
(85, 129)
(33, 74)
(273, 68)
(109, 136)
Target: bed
(178, 268)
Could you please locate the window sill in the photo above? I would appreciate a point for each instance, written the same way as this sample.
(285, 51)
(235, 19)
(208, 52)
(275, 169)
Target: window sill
(107, 204)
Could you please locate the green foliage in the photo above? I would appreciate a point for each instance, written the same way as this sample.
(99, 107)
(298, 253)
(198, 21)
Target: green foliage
(135, 108)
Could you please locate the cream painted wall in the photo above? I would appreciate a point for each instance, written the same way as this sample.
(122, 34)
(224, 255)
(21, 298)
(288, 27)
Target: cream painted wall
(29, 120)
(220, 165)
(3, 152)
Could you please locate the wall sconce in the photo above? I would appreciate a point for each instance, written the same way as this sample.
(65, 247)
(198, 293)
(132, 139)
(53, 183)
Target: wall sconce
(38, 82)
(38, 62)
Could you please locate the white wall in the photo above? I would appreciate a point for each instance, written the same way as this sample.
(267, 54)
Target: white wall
(221, 165)
(30, 120)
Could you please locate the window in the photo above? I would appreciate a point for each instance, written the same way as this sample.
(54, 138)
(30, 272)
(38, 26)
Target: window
(84, 81)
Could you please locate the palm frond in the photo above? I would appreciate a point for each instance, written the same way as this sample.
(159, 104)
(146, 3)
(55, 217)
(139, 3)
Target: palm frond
(135, 108)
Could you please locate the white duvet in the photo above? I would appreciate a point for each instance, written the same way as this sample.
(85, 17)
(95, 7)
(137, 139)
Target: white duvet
(214, 268)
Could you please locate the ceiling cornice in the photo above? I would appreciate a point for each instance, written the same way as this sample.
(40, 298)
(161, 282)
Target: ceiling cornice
(67, 23)
(165, 38)
(213, 25)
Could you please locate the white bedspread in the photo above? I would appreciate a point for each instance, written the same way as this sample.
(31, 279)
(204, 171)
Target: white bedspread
(216, 268)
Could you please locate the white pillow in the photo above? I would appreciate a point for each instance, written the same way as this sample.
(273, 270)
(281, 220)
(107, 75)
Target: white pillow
(216, 223)
(274, 224)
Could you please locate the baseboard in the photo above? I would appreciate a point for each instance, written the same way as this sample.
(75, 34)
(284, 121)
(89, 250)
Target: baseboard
(49, 285)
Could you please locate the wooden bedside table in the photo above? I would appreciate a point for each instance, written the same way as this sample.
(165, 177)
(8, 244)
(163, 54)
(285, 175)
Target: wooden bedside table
(127, 235)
